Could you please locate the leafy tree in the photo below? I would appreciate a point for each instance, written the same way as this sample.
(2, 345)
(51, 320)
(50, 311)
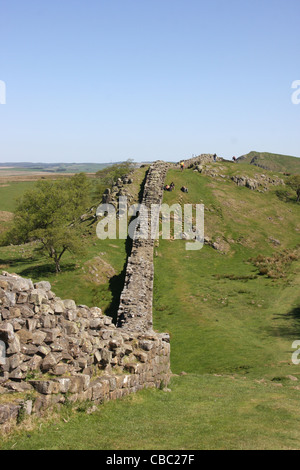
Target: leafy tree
(49, 213)
(294, 183)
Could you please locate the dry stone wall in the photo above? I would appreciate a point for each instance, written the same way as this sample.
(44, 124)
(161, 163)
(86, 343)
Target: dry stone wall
(53, 349)
(135, 309)
(202, 159)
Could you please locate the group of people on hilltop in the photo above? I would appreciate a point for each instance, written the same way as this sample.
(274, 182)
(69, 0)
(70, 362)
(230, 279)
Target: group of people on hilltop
(184, 189)
(171, 187)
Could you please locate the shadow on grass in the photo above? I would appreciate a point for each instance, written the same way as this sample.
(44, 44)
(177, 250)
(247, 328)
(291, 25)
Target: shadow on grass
(116, 286)
(45, 270)
(292, 327)
(286, 196)
(14, 262)
(116, 283)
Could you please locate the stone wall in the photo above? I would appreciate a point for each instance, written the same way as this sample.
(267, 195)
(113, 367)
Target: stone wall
(57, 350)
(135, 309)
(202, 159)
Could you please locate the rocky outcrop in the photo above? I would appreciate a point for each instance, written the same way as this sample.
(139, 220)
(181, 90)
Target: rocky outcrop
(258, 182)
(121, 187)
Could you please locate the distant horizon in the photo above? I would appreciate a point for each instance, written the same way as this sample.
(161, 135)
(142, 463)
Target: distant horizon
(105, 162)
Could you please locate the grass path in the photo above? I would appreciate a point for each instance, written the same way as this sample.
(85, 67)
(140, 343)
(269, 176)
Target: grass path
(201, 412)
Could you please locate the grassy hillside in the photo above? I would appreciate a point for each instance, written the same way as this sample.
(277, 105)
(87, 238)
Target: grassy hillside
(272, 161)
(232, 314)
(228, 316)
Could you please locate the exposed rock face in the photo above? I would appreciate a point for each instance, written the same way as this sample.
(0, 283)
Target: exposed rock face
(258, 182)
(120, 188)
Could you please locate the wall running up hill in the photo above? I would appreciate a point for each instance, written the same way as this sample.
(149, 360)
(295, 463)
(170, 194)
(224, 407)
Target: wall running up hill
(135, 309)
(52, 349)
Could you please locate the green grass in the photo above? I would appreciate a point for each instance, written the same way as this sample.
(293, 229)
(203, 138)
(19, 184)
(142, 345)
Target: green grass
(10, 192)
(221, 314)
(202, 412)
(231, 332)
(272, 161)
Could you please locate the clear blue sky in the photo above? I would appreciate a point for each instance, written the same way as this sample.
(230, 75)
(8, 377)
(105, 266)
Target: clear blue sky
(107, 80)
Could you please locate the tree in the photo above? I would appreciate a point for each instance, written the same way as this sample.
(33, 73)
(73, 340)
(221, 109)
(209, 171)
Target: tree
(49, 213)
(294, 183)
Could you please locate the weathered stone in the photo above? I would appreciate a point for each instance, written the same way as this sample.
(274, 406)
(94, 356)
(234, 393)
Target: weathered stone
(18, 373)
(106, 357)
(37, 296)
(35, 362)
(69, 304)
(98, 391)
(60, 369)
(52, 334)
(25, 336)
(71, 328)
(13, 361)
(43, 350)
(96, 312)
(6, 332)
(70, 315)
(45, 387)
(26, 311)
(31, 324)
(22, 298)
(96, 323)
(131, 367)
(14, 312)
(49, 362)
(8, 411)
(141, 356)
(29, 349)
(45, 309)
(14, 346)
(146, 345)
(44, 285)
(58, 307)
(38, 337)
